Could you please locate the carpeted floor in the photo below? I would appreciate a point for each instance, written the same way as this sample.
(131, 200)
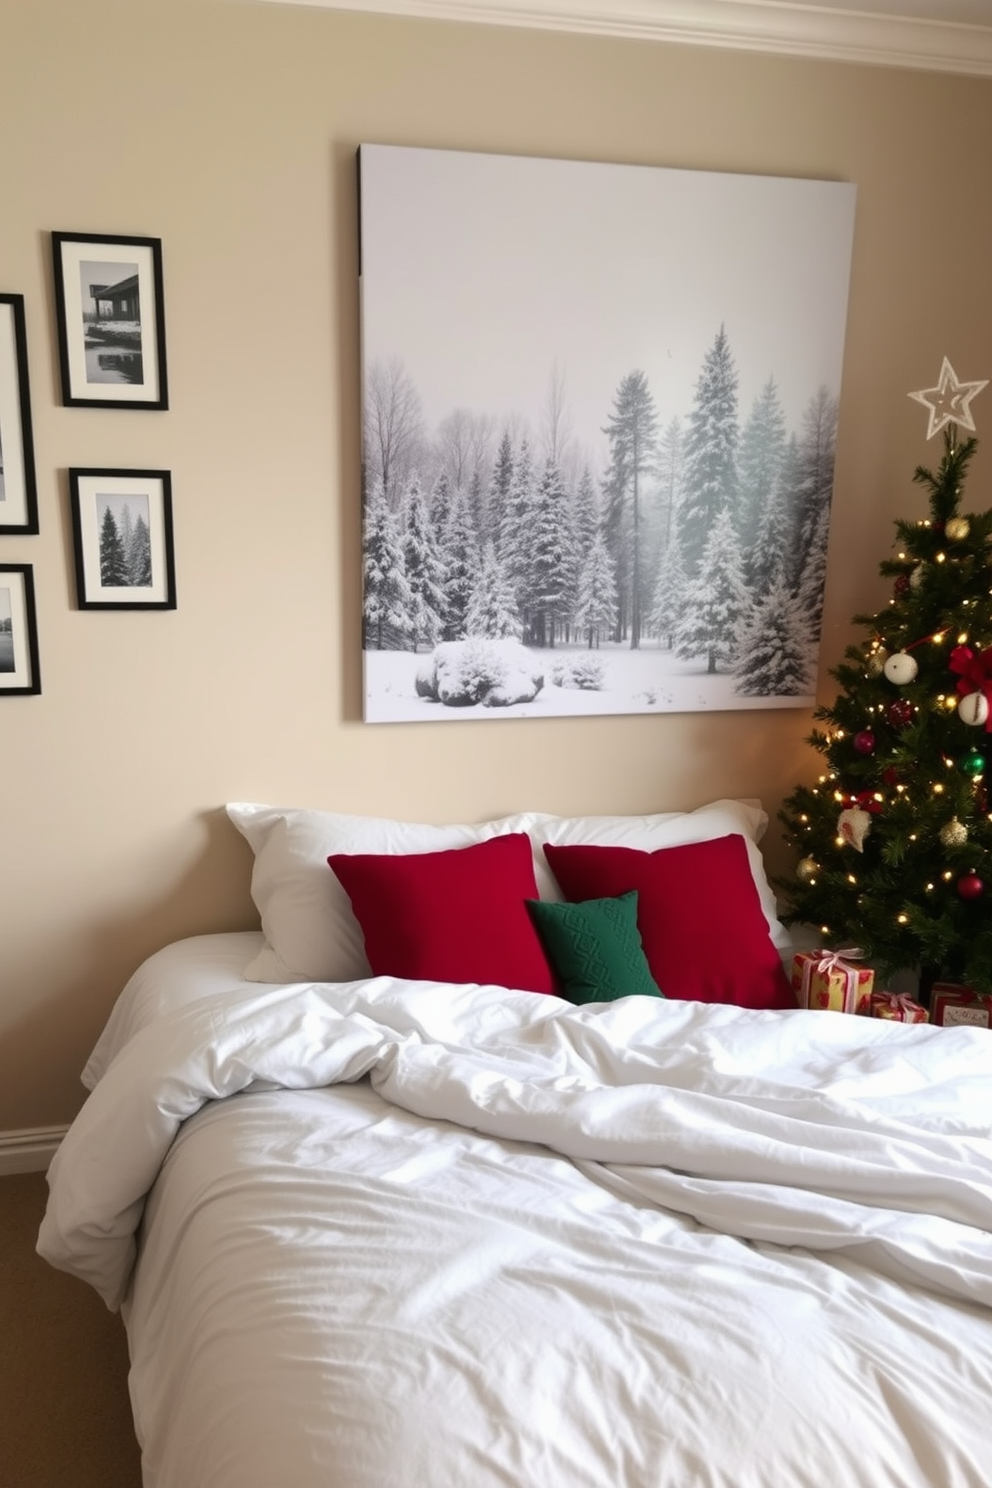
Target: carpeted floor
(65, 1417)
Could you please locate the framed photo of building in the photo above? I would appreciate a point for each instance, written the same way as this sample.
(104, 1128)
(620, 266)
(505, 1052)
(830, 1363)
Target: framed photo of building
(18, 489)
(122, 539)
(19, 672)
(110, 305)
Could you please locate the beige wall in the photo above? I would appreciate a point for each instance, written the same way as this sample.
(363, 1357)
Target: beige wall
(229, 130)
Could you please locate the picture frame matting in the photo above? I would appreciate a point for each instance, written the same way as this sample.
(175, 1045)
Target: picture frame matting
(123, 539)
(110, 313)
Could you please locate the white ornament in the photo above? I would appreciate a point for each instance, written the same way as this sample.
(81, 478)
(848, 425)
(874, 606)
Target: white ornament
(973, 709)
(853, 826)
(917, 576)
(949, 401)
(901, 668)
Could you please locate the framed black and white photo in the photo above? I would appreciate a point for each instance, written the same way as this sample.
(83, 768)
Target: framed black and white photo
(599, 418)
(18, 490)
(122, 539)
(19, 671)
(110, 305)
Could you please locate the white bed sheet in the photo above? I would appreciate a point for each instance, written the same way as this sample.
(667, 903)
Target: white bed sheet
(407, 1236)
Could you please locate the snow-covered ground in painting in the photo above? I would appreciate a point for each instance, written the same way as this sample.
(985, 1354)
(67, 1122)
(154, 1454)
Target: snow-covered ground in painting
(646, 681)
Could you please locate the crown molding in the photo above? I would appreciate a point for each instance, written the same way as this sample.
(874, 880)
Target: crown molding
(820, 31)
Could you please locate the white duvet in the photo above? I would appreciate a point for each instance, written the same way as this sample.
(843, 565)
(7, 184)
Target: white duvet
(402, 1235)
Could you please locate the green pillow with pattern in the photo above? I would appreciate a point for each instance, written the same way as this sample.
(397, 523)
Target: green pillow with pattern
(595, 948)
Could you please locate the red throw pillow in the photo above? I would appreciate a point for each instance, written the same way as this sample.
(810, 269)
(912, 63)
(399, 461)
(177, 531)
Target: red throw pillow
(702, 926)
(455, 916)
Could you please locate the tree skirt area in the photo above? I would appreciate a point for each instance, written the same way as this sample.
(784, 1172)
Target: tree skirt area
(650, 680)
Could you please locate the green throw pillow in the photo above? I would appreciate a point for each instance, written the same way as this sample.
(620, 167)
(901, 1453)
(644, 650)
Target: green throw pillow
(595, 947)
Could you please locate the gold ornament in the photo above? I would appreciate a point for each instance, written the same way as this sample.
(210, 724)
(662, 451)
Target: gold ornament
(957, 528)
(954, 834)
(805, 869)
(878, 658)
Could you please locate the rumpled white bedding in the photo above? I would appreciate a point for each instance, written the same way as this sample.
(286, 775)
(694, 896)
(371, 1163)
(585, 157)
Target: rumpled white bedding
(404, 1235)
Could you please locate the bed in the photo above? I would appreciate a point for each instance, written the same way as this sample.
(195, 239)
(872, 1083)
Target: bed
(400, 1231)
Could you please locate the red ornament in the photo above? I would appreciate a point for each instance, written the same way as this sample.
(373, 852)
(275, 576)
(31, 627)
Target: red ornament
(899, 713)
(901, 584)
(970, 886)
(864, 742)
(890, 776)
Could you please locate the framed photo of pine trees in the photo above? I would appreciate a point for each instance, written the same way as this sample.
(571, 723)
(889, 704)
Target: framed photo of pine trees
(599, 418)
(122, 539)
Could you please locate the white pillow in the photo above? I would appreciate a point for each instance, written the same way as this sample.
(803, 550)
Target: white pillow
(667, 829)
(311, 933)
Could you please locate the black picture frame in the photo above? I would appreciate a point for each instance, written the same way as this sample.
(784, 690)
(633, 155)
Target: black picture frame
(20, 673)
(18, 484)
(110, 310)
(123, 542)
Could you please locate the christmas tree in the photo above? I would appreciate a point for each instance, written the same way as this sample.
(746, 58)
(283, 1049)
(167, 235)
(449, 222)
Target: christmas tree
(894, 841)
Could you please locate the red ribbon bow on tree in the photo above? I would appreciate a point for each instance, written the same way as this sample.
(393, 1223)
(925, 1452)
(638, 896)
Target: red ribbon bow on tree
(974, 671)
(865, 800)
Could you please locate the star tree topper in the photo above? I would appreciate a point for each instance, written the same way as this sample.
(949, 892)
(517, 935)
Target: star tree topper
(949, 402)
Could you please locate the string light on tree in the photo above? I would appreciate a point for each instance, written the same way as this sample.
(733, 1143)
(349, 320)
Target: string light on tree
(905, 743)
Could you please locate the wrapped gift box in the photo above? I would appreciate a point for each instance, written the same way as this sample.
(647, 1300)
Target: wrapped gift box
(953, 1006)
(902, 1009)
(829, 979)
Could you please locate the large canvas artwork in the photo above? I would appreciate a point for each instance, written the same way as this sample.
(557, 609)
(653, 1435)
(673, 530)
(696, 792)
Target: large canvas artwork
(599, 419)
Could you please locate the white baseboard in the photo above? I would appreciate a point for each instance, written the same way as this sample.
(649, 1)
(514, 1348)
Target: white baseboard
(29, 1151)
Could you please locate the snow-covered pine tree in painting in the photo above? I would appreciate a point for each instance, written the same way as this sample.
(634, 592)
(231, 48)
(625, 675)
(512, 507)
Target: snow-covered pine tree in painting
(596, 613)
(712, 481)
(552, 577)
(659, 546)
(387, 602)
(632, 432)
(715, 608)
(492, 612)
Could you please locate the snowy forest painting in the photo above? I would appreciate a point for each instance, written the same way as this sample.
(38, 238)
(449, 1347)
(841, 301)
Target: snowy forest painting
(599, 420)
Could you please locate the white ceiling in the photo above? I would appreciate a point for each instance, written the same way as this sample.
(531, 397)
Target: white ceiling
(936, 35)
